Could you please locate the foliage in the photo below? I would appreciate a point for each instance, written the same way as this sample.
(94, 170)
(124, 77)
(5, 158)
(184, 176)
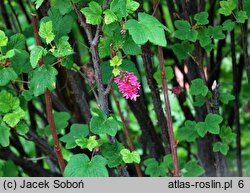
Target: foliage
(94, 57)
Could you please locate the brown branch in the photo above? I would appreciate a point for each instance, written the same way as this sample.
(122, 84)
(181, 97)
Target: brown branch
(5, 15)
(168, 112)
(244, 44)
(49, 105)
(15, 15)
(149, 136)
(32, 169)
(83, 23)
(109, 87)
(236, 105)
(155, 94)
(126, 131)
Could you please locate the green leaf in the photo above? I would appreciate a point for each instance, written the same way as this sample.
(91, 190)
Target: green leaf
(184, 31)
(211, 125)
(35, 55)
(68, 61)
(43, 78)
(147, 28)
(79, 165)
(64, 6)
(226, 7)
(10, 169)
(45, 31)
(127, 65)
(228, 25)
(93, 13)
(104, 47)
(137, 31)
(226, 97)
(77, 131)
(20, 62)
(6, 75)
(63, 47)
(10, 54)
(188, 132)
(130, 157)
(192, 169)
(62, 25)
(154, 169)
(204, 38)
(201, 18)
(167, 162)
(226, 135)
(112, 153)
(131, 6)
(183, 50)
(216, 32)
(12, 119)
(3, 39)
(22, 128)
(113, 36)
(98, 112)
(119, 8)
(130, 47)
(198, 87)
(116, 72)
(220, 147)
(61, 121)
(246, 6)
(4, 134)
(199, 101)
(212, 122)
(201, 129)
(109, 16)
(98, 125)
(8, 102)
(169, 75)
(90, 143)
(241, 16)
(17, 41)
(27, 94)
(115, 61)
(38, 3)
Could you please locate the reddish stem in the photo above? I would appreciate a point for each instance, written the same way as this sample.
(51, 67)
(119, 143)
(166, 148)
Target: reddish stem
(168, 112)
(49, 105)
(126, 131)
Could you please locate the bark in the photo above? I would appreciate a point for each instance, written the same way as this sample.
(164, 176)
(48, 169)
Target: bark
(244, 42)
(30, 168)
(236, 105)
(173, 144)
(5, 15)
(155, 94)
(149, 136)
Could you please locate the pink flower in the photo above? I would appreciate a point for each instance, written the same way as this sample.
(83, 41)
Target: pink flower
(128, 84)
(123, 31)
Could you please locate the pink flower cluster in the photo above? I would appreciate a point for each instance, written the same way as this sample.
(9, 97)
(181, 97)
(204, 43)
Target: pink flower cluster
(128, 84)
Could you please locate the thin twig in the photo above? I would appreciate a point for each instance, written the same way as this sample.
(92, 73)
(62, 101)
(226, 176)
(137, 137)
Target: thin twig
(168, 112)
(36, 158)
(49, 105)
(126, 131)
(89, 83)
(109, 87)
